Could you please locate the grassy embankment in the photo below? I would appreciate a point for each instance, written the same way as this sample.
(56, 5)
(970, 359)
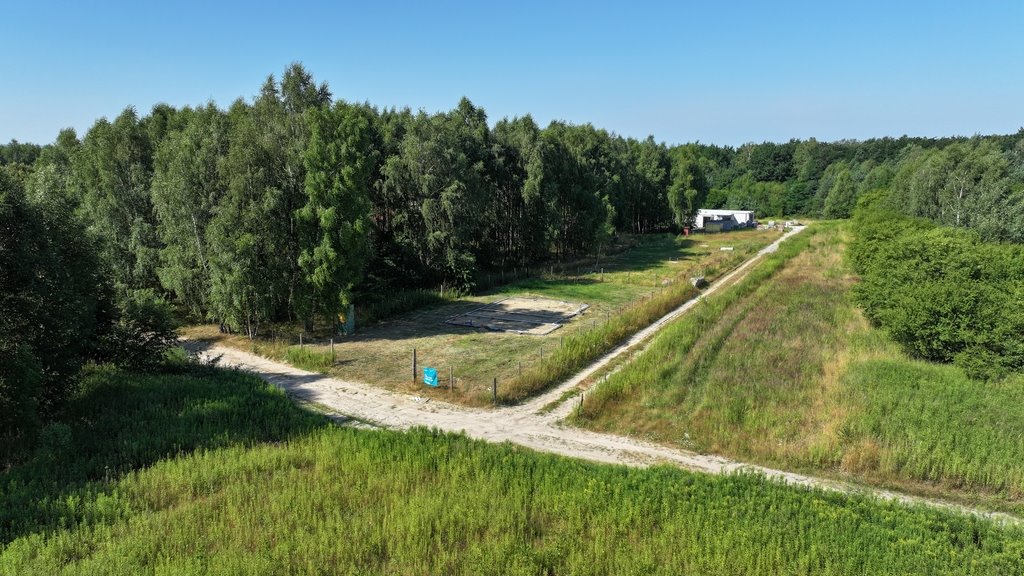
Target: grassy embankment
(635, 288)
(783, 370)
(215, 472)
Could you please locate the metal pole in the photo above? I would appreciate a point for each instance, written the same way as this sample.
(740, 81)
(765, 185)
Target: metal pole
(413, 365)
(494, 390)
(451, 379)
(333, 357)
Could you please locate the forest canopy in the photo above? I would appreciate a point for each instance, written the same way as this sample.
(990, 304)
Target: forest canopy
(294, 206)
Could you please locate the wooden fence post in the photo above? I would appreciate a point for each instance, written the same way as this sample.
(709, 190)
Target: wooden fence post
(494, 391)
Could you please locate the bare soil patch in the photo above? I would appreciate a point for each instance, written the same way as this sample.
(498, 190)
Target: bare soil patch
(536, 316)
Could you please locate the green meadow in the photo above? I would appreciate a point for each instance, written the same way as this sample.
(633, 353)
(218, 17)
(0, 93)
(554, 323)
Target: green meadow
(783, 370)
(215, 472)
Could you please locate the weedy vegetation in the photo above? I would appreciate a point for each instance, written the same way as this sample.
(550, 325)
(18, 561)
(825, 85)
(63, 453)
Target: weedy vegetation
(782, 369)
(626, 292)
(216, 472)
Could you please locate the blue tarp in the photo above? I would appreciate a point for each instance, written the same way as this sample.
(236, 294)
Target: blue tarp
(430, 376)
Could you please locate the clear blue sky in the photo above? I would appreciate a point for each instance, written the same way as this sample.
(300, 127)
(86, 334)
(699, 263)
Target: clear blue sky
(717, 72)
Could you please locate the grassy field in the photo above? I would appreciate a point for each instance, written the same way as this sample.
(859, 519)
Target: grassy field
(625, 293)
(783, 370)
(217, 473)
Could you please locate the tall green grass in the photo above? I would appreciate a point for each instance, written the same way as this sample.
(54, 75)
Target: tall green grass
(663, 364)
(309, 358)
(931, 423)
(216, 473)
(579, 349)
(348, 501)
(121, 422)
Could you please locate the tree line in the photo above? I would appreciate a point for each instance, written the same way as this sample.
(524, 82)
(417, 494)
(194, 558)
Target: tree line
(975, 182)
(292, 206)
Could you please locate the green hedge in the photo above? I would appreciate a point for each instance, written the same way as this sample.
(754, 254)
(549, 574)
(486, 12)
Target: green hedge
(941, 292)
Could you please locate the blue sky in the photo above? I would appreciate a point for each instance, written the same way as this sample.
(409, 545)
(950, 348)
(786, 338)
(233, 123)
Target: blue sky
(715, 72)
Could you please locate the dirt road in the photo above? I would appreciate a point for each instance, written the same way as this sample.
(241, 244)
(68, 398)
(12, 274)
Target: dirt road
(524, 424)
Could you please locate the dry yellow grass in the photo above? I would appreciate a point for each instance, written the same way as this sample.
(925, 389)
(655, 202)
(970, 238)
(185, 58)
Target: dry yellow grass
(786, 372)
(761, 378)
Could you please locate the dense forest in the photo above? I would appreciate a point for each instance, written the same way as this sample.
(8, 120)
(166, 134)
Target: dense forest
(293, 206)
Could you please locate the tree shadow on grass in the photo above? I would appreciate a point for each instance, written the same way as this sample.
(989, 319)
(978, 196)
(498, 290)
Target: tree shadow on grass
(121, 422)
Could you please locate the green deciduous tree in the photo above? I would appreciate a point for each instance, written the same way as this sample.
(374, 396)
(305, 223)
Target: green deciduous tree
(842, 196)
(187, 187)
(514, 237)
(941, 292)
(576, 186)
(336, 216)
(49, 292)
(249, 269)
(254, 233)
(437, 189)
(688, 190)
(113, 170)
(643, 203)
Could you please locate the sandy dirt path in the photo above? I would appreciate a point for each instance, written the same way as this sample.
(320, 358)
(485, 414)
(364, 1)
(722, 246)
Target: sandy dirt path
(524, 424)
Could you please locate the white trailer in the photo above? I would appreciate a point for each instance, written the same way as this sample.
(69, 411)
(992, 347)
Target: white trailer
(742, 218)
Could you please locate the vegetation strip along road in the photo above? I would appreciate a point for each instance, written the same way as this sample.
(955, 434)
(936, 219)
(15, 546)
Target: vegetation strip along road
(523, 424)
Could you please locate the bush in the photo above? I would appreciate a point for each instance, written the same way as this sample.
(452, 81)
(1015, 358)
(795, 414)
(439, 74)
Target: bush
(142, 333)
(48, 300)
(941, 292)
(308, 358)
(20, 390)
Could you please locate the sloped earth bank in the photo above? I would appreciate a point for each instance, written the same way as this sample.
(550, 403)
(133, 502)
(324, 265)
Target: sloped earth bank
(528, 424)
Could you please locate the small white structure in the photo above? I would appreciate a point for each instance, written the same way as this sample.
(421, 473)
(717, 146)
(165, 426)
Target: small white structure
(724, 219)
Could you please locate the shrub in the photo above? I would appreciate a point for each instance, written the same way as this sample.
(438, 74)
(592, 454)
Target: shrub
(941, 292)
(142, 334)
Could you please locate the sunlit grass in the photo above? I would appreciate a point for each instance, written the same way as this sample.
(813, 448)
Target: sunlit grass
(782, 370)
(226, 476)
(625, 293)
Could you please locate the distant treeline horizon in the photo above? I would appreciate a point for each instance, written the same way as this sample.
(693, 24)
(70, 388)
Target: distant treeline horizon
(25, 151)
(294, 205)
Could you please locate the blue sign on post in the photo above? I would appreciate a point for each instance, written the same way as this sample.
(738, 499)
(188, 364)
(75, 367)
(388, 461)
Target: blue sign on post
(430, 376)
